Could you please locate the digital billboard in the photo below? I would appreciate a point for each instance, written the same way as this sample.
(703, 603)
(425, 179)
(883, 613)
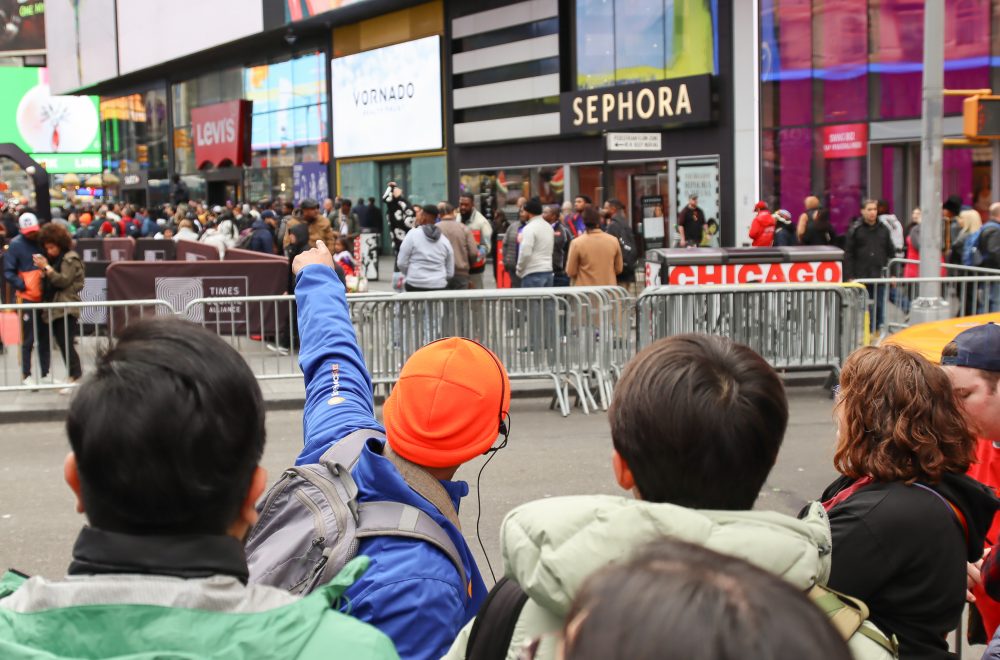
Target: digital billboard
(60, 132)
(388, 100)
(297, 10)
(22, 27)
(183, 25)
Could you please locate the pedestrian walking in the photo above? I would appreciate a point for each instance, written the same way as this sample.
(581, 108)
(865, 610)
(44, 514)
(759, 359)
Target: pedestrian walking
(426, 261)
(511, 245)
(784, 232)
(463, 246)
(690, 224)
(562, 236)
(63, 281)
(595, 258)
(619, 227)
(762, 227)
(318, 226)
(21, 272)
(867, 251)
(534, 258)
(482, 232)
(400, 216)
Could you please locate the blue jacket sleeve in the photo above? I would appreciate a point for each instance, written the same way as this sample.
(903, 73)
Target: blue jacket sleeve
(338, 387)
(10, 269)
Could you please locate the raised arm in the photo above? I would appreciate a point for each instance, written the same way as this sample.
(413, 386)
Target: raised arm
(338, 387)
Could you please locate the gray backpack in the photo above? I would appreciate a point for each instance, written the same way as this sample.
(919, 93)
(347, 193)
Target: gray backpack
(311, 522)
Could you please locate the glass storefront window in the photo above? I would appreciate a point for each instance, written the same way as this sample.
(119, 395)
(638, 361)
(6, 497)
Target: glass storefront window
(623, 41)
(134, 132)
(839, 64)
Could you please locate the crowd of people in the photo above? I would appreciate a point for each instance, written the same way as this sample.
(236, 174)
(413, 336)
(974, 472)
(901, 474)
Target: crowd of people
(358, 551)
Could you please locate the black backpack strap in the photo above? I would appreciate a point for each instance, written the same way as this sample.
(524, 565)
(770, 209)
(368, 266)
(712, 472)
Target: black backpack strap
(397, 519)
(493, 629)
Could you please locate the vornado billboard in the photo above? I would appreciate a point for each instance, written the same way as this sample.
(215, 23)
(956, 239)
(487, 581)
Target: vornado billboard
(388, 100)
(663, 103)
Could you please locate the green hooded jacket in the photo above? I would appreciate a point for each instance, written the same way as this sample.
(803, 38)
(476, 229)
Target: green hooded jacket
(302, 628)
(551, 546)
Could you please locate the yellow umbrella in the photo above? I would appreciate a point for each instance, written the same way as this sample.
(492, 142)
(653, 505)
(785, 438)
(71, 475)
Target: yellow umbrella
(94, 181)
(71, 180)
(929, 339)
(110, 178)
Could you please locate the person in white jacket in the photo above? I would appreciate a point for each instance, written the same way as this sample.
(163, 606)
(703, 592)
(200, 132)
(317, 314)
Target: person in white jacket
(426, 260)
(534, 257)
(482, 231)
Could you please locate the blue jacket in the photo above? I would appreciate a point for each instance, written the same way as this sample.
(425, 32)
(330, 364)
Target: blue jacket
(17, 259)
(262, 239)
(411, 591)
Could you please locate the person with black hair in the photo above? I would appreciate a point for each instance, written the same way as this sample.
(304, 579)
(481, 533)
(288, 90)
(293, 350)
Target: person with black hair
(160, 569)
(696, 425)
(619, 227)
(682, 601)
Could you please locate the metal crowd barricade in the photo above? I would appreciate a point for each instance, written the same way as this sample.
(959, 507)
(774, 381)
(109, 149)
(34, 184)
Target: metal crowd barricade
(31, 334)
(522, 326)
(261, 328)
(896, 267)
(890, 298)
(599, 337)
(791, 326)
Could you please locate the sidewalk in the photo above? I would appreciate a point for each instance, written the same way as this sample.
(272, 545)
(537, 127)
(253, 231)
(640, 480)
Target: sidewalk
(47, 405)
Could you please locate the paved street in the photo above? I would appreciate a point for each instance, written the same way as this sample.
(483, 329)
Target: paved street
(547, 456)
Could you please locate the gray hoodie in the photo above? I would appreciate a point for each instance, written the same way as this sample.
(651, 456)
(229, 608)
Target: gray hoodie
(425, 260)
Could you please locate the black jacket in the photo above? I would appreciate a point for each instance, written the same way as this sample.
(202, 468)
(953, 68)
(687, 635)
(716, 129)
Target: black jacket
(989, 245)
(902, 550)
(867, 251)
(619, 227)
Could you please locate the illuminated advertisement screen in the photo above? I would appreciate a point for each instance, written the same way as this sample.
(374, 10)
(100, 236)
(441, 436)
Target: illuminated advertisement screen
(388, 100)
(296, 10)
(61, 132)
(22, 26)
(288, 102)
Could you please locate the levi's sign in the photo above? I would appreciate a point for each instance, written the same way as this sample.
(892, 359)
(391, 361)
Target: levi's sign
(666, 103)
(221, 134)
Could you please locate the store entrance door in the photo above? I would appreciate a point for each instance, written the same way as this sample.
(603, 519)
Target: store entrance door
(221, 191)
(648, 198)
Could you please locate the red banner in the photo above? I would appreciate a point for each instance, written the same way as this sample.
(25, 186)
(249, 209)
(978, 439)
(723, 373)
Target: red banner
(845, 141)
(221, 134)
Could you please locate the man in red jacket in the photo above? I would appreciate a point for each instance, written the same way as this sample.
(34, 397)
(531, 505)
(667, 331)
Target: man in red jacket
(972, 361)
(762, 229)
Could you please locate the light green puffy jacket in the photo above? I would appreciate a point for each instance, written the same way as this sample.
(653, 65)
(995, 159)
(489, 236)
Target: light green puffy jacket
(551, 546)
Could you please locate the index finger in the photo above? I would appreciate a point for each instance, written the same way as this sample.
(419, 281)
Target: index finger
(321, 246)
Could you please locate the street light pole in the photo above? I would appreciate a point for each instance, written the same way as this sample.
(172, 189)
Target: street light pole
(929, 306)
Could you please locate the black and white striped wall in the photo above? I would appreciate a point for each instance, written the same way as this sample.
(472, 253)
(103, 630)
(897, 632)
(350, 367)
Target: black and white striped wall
(505, 72)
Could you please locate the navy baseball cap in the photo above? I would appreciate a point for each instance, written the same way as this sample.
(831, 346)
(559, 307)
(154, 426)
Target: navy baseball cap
(978, 348)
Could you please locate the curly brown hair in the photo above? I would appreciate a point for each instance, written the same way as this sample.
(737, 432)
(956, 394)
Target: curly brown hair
(53, 232)
(900, 419)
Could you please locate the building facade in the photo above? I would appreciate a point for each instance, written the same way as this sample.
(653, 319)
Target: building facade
(646, 101)
(840, 85)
